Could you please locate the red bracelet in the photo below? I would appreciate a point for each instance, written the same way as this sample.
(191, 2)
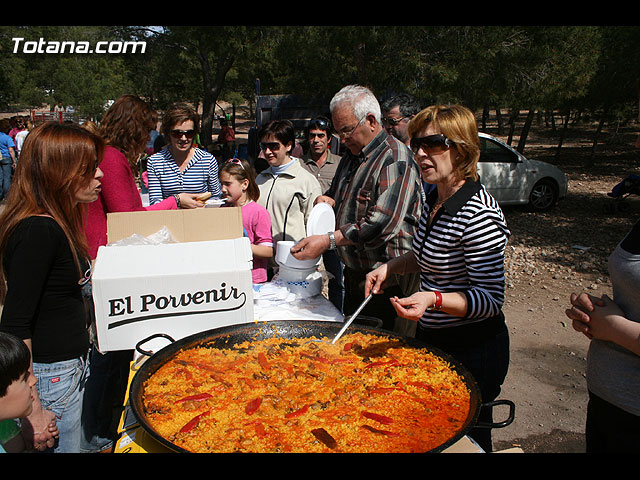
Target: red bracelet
(438, 304)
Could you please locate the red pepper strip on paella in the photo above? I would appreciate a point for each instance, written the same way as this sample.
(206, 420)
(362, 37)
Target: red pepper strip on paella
(191, 424)
(378, 418)
(195, 398)
(262, 360)
(252, 406)
(390, 363)
(297, 413)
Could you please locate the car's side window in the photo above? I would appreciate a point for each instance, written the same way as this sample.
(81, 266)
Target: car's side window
(492, 152)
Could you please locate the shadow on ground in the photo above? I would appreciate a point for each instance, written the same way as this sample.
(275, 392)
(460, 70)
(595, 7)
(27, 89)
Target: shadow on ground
(555, 441)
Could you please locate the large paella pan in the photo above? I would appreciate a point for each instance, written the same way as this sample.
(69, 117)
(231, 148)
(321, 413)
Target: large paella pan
(282, 386)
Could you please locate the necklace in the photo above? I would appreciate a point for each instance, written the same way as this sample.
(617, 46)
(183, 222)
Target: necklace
(440, 202)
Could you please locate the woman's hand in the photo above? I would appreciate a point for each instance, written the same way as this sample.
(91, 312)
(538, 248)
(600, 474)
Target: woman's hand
(190, 200)
(602, 319)
(413, 307)
(580, 312)
(374, 281)
(39, 429)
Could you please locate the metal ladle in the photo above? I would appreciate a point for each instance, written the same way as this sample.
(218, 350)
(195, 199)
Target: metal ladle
(353, 317)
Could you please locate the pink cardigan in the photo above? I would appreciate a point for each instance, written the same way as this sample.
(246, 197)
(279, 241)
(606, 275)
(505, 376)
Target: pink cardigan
(119, 194)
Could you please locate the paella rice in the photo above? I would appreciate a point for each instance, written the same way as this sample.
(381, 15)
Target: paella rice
(366, 393)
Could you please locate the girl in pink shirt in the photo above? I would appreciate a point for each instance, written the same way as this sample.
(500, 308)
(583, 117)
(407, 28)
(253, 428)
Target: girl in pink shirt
(239, 188)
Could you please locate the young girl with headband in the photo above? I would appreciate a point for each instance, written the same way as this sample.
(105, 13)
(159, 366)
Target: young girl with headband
(239, 189)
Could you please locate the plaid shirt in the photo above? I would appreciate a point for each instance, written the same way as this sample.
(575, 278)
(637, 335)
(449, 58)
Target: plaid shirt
(378, 196)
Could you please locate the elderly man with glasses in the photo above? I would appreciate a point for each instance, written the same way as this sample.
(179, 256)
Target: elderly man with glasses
(377, 196)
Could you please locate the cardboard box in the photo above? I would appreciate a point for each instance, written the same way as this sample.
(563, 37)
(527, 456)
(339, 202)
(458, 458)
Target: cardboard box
(202, 282)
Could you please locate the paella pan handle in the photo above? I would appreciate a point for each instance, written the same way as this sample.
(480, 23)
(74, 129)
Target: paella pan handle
(151, 337)
(508, 421)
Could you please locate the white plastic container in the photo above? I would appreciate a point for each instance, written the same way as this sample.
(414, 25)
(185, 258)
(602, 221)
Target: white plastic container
(303, 283)
(285, 259)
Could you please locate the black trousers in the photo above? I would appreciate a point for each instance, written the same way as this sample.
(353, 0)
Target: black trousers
(610, 429)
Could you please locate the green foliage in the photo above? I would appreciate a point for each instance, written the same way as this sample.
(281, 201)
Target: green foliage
(543, 67)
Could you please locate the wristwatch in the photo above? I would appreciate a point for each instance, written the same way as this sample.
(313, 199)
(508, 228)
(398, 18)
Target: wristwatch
(332, 241)
(438, 304)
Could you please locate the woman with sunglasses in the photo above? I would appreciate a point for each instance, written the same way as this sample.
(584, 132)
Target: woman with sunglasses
(287, 190)
(459, 251)
(181, 166)
(43, 257)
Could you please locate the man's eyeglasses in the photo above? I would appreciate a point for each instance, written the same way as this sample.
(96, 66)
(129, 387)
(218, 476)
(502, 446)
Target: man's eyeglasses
(392, 121)
(178, 134)
(273, 146)
(431, 144)
(349, 133)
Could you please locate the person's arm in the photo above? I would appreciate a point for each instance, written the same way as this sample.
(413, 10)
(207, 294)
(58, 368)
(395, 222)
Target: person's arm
(263, 239)
(213, 182)
(12, 153)
(39, 428)
(484, 242)
(602, 319)
(154, 184)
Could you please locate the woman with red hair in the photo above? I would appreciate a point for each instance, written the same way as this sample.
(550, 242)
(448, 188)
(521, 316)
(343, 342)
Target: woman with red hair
(43, 267)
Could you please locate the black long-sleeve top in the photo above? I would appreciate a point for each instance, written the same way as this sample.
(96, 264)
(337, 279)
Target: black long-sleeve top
(44, 300)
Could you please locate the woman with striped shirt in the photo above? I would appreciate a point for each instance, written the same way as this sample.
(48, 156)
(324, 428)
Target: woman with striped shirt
(459, 251)
(181, 166)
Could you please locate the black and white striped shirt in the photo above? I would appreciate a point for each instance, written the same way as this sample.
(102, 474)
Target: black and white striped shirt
(166, 179)
(462, 250)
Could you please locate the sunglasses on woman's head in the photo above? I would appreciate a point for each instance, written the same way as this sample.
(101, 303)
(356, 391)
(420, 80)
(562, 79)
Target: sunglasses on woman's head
(187, 133)
(236, 161)
(431, 144)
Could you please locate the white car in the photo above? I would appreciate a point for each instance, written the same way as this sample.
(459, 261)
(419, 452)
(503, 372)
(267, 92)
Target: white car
(513, 179)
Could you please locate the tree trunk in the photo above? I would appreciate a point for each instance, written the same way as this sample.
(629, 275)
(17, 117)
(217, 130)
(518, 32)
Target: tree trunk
(596, 138)
(563, 132)
(512, 124)
(212, 85)
(525, 130)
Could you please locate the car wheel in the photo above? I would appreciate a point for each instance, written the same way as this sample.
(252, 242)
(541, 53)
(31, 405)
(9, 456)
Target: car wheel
(543, 196)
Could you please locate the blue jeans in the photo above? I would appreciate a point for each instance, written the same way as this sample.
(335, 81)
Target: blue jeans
(61, 389)
(6, 169)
